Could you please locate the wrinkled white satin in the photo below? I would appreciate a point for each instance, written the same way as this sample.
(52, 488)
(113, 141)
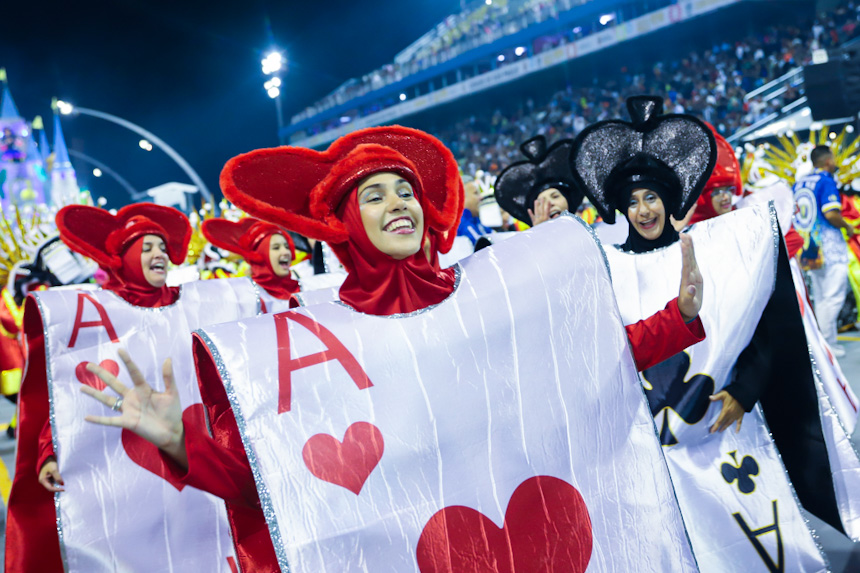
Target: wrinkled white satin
(114, 515)
(524, 370)
(736, 255)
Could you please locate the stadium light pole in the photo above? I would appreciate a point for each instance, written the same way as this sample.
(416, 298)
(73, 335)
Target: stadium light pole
(66, 108)
(273, 64)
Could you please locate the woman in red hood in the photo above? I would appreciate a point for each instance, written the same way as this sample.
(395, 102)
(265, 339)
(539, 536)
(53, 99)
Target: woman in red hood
(374, 196)
(134, 249)
(726, 182)
(268, 248)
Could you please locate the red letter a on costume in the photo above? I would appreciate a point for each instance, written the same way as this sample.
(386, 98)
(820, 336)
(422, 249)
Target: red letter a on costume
(103, 321)
(334, 350)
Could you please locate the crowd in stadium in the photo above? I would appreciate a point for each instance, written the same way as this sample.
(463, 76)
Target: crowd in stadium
(712, 85)
(476, 27)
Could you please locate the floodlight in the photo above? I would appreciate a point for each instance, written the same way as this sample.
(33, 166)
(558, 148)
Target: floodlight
(65, 108)
(272, 63)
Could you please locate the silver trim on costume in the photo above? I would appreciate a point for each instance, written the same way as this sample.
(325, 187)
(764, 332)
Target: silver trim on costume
(594, 236)
(49, 379)
(259, 296)
(263, 491)
(817, 374)
(777, 237)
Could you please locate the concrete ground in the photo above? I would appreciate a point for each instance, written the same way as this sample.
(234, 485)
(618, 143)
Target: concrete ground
(844, 554)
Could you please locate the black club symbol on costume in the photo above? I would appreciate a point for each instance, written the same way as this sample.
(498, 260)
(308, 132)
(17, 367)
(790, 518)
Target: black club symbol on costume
(741, 472)
(667, 389)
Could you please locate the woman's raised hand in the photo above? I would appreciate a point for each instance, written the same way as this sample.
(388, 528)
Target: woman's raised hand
(690, 294)
(541, 212)
(154, 416)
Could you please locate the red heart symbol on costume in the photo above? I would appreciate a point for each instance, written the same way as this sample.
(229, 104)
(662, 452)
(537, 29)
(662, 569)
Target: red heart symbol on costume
(90, 379)
(147, 456)
(348, 463)
(547, 528)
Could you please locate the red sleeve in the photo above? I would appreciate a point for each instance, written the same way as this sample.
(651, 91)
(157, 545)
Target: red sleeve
(46, 445)
(662, 335)
(219, 469)
(793, 242)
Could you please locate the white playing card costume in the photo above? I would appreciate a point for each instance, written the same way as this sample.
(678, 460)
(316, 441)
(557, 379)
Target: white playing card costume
(502, 428)
(835, 385)
(838, 407)
(117, 513)
(737, 501)
(270, 304)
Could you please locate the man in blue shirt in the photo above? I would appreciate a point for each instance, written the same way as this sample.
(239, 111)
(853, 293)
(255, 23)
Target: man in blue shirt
(470, 224)
(819, 216)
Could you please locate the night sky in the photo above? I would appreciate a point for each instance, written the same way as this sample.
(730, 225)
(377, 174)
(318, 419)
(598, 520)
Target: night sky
(190, 71)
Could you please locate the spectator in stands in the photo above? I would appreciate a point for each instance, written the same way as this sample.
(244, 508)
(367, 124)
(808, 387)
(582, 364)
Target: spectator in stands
(819, 215)
(470, 224)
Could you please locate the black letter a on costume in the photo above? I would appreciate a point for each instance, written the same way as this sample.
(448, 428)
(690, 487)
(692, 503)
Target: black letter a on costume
(753, 536)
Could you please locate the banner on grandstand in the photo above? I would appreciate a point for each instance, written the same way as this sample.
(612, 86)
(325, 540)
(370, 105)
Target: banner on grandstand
(684, 10)
(505, 425)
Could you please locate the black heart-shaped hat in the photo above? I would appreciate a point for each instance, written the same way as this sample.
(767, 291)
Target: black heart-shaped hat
(519, 184)
(675, 151)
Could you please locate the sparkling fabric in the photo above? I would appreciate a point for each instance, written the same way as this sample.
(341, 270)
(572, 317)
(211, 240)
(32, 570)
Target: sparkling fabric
(520, 183)
(681, 142)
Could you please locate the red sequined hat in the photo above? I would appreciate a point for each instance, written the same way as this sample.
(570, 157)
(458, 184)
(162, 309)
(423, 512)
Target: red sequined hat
(243, 237)
(301, 189)
(103, 237)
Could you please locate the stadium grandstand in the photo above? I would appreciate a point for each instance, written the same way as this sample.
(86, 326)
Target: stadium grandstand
(501, 71)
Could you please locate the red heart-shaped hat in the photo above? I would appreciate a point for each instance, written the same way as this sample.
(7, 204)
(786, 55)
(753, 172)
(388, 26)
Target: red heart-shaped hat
(103, 237)
(301, 189)
(243, 237)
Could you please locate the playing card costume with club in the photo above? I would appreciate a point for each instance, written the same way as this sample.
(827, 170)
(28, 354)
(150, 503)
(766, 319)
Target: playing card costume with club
(114, 507)
(430, 420)
(733, 487)
(269, 250)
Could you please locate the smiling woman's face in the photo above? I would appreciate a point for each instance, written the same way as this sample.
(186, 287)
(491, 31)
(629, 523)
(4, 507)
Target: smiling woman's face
(557, 201)
(280, 256)
(153, 260)
(721, 199)
(646, 213)
(392, 216)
